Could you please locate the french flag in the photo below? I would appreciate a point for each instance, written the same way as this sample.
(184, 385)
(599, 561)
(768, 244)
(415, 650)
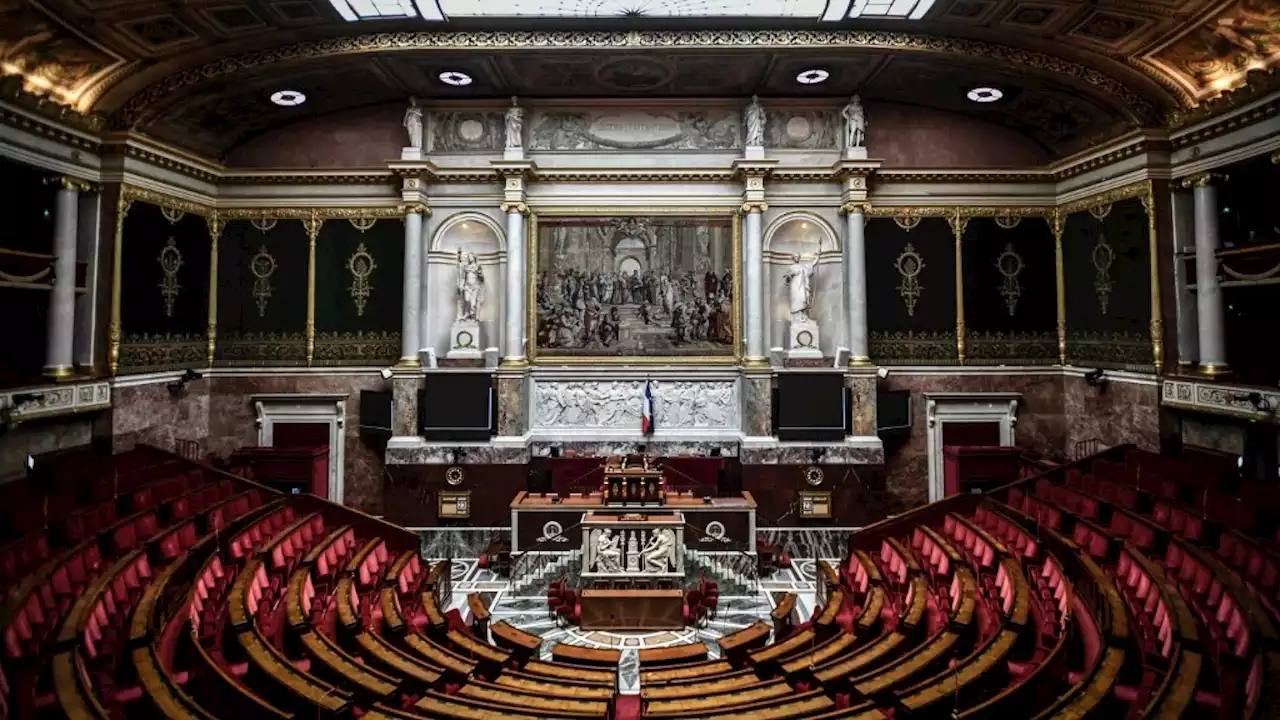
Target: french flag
(646, 409)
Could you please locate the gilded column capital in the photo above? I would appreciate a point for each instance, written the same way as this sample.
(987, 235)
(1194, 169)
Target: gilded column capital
(1204, 179)
(414, 207)
(852, 207)
(515, 206)
(67, 182)
(753, 206)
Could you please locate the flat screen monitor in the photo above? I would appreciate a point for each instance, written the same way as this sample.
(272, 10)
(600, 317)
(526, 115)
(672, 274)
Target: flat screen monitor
(893, 410)
(456, 406)
(812, 406)
(375, 411)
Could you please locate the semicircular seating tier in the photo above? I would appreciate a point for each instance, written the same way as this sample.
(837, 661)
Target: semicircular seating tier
(1125, 585)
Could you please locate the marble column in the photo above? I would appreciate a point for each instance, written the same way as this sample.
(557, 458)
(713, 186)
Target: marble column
(855, 284)
(410, 322)
(59, 356)
(753, 283)
(1209, 309)
(1184, 241)
(513, 303)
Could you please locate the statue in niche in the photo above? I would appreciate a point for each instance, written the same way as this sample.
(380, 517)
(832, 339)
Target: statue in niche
(515, 125)
(855, 123)
(608, 552)
(470, 279)
(413, 123)
(799, 279)
(660, 552)
(753, 118)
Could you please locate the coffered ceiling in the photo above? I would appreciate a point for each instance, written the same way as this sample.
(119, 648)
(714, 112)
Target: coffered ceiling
(199, 73)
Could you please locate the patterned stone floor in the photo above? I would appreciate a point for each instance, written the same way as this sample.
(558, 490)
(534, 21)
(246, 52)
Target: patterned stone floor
(735, 612)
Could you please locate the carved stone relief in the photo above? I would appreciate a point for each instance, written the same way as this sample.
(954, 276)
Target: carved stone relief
(802, 130)
(466, 131)
(635, 130)
(711, 405)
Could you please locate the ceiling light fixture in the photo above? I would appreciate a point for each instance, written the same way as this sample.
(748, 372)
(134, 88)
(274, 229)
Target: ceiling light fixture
(455, 78)
(813, 76)
(288, 98)
(985, 94)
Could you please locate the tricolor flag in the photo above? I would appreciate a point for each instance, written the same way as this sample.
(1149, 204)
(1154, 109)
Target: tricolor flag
(646, 409)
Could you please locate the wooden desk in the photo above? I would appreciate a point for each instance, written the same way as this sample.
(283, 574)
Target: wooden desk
(727, 683)
(512, 697)
(673, 655)
(479, 613)
(686, 674)
(509, 637)
(585, 655)
(632, 610)
(747, 638)
(539, 686)
(480, 650)
(573, 674)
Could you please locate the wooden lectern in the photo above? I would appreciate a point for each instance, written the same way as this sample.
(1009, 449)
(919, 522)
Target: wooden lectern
(632, 479)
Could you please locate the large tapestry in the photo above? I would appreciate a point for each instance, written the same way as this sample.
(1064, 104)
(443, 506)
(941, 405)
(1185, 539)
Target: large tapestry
(656, 286)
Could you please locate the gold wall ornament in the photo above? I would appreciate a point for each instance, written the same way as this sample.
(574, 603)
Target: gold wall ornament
(1008, 222)
(1057, 224)
(173, 215)
(263, 225)
(1102, 257)
(170, 259)
(1101, 211)
(361, 265)
(214, 224)
(113, 327)
(312, 226)
(909, 264)
(907, 222)
(362, 223)
(1204, 179)
(1010, 265)
(958, 223)
(263, 266)
(1153, 253)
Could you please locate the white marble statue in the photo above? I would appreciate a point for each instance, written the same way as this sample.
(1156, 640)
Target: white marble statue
(753, 119)
(799, 278)
(413, 124)
(660, 552)
(470, 280)
(608, 552)
(855, 124)
(633, 553)
(515, 125)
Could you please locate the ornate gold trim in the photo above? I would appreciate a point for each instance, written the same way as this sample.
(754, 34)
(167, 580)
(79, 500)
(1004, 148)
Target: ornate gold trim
(312, 226)
(117, 252)
(1102, 256)
(1204, 179)
(909, 264)
(1109, 197)
(262, 265)
(215, 233)
(1153, 252)
(1057, 224)
(958, 225)
(170, 259)
(911, 211)
(136, 109)
(361, 265)
(307, 213)
(852, 207)
(1010, 264)
(1005, 214)
(531, 296)
(67, 182)
(164, 201)
(751, 206)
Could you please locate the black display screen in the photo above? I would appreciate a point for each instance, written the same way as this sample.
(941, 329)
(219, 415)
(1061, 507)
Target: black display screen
(456, 406)
(375, 410)
(812, 406)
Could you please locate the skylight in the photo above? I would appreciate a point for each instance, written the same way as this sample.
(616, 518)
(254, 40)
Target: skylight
(890, 9)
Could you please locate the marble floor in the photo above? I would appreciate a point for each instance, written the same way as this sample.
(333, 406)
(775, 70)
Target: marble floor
(529, 613)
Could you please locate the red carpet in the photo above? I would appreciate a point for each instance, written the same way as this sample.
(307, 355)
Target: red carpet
(627, 707)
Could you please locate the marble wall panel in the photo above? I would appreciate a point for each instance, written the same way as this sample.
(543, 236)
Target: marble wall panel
(1119, 413)
(153, 415)
(511, 404)
(757, 406)
(1042, 424)
(404, 397)
(858, 494)
(232, 425)
(41, 436)
(411, 494)
(863, 392)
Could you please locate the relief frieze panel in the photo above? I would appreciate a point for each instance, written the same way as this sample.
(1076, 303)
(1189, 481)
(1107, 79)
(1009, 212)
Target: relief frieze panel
(802, 130)
(634, 130)
(465, 131)
(617, 405)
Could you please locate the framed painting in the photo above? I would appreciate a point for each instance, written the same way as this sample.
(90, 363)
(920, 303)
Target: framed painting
(648, 287)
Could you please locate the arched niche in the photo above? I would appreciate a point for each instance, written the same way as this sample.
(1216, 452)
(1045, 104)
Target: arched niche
(808, 235)
(482, 236)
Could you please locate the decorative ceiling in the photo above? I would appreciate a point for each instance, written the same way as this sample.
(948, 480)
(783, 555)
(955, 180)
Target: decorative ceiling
(199, 73)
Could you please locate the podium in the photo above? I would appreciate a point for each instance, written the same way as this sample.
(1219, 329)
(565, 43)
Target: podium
(632, 479)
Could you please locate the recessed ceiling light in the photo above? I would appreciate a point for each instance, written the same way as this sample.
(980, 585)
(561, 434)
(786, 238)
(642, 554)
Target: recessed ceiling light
(812, 76)
(985, 94)
(288, 98)
(455, 78)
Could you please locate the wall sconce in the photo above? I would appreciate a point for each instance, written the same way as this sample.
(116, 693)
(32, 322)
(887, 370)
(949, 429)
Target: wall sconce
(176, 387)
(1096, 378)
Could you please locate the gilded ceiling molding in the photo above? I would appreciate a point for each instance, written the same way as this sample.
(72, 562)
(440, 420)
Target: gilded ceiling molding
(1138, 189)
(130, 193)
(285, 178)
(310, 213)
(1258, 83)
(135, 109)
(1222, 126)
(922, 211)
(1012, 213)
